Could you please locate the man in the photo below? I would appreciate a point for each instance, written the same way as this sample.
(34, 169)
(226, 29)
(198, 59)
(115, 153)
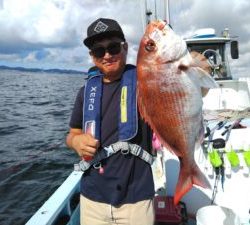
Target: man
(105, 115)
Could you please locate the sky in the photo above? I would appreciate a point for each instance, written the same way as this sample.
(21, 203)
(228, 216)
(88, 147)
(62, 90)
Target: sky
(49, 33)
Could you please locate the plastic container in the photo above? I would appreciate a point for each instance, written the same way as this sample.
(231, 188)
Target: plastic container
(216, 215)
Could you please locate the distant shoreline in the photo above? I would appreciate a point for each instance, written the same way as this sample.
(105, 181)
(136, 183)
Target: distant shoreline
(37, 70)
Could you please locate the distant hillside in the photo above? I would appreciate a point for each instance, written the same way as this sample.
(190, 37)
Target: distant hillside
(42, 70)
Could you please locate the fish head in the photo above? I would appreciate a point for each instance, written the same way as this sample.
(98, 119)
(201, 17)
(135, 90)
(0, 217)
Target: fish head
(160, 44)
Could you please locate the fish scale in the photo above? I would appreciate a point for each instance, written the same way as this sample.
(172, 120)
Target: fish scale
(169, 98)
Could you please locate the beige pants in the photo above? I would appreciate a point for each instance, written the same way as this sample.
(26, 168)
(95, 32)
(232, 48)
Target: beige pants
(96, 213)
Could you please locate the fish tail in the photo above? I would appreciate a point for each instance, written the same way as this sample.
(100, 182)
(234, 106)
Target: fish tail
(184, 184)
(198, 178)
(186, 181)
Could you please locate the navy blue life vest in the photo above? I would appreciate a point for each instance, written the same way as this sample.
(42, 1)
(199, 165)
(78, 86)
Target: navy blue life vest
(128, 121)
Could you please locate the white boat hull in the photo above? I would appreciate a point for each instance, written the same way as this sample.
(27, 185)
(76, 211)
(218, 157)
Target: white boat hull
(235, 194)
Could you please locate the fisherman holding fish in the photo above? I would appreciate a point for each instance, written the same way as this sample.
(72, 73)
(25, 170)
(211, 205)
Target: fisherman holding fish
(106, 124)
(105, 114)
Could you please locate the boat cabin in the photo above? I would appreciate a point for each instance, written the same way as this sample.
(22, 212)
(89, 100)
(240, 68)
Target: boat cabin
(214, 48)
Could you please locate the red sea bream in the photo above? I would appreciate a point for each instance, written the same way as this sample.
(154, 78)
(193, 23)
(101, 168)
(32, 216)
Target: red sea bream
(170, 99)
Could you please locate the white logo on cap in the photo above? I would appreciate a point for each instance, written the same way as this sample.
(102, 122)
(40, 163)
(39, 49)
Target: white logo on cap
(100, 27)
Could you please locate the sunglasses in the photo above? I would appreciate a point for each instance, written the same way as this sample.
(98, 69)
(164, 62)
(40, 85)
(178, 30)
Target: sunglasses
(113, 48)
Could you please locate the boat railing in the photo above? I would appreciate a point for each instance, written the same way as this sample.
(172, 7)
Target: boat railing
(61, 207)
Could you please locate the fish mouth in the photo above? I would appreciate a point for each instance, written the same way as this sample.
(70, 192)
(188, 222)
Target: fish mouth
(162, 24)
(157, 31)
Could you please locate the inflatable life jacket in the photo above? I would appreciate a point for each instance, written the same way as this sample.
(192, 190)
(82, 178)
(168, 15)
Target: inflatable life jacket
(128, 121)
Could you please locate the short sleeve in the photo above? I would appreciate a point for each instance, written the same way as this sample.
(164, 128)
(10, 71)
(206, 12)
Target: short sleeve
(77, 113)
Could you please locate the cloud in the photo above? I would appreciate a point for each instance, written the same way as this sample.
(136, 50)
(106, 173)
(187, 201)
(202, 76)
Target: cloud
(28, 27)
(189, 15)
(49, 33)
(35, 23)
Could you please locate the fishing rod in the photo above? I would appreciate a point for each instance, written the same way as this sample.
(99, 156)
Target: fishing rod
(152, 8)
(166, 11)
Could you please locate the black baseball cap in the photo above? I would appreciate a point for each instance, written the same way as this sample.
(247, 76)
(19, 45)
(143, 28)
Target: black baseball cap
(102, 28)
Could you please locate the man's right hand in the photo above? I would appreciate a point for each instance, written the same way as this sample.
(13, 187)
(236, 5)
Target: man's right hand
(83, 144)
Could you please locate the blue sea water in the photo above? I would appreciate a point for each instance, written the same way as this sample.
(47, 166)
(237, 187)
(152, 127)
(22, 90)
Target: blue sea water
(35, 110)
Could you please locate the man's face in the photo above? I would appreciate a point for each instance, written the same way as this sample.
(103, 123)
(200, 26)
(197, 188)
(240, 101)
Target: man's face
(109, 55)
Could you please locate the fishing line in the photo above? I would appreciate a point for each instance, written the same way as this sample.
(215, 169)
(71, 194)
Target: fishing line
(218, 171)
(215, 186)
(156, 17)
(143, 6)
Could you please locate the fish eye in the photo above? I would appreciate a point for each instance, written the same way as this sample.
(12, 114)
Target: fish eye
(150, 46)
